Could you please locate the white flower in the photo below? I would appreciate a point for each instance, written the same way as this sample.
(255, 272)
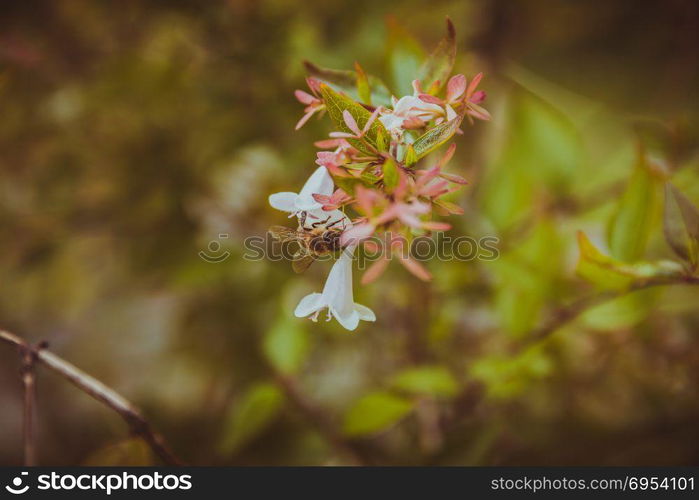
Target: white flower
(337, 297)
(319, 182)
(409, 106)
(333, 219)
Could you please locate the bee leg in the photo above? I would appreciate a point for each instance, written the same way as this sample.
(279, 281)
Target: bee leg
(336, 222)
(319, 223)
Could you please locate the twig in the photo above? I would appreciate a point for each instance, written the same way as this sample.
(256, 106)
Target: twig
(569, 313)
(29, 382)
(318, 418)
(430, 435)
(93, 387)
(428, 413)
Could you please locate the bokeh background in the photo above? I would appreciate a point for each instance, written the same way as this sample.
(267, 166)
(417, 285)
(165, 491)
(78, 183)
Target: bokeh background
(133, 134)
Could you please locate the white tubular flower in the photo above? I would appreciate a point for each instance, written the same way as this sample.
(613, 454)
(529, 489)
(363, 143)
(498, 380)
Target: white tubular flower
(406, 108)
(319, 182)
(335, 219)
(337, 297)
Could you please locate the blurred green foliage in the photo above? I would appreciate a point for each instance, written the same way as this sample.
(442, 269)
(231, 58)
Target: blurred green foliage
(134, 135)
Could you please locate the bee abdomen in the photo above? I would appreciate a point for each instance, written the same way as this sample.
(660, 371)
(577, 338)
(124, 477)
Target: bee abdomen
(326, 242)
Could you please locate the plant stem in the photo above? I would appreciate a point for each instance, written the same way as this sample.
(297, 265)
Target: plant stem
(28, 431)
(89, 385)
(567, 314)
(318, 418)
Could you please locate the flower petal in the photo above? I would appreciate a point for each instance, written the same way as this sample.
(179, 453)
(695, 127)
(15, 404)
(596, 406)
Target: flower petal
(416, 268)
(457, 179)
(304, 119)
(284, 201)
(371, 120)
(375, 270)
(426, 176)
(456, 87)
(319, 182)
(477, 112)
(357, 234)
(409, 220)
(366, 199)
(348, 321)
(417, 86)
(308, 305)
(350, 122)
(328, 143)
(413, 123)
(314, 85)
(304, 97)
(478, 97)
(341, 135)
(474, 83)
(391, 121)
(451, 114)
(365, 313)
(446, 157)
(430, 99)
(436, 226)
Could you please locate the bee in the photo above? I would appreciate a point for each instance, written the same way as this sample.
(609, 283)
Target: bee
(321, 238)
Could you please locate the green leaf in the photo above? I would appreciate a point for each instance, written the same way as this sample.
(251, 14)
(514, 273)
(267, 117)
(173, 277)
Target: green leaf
(248, 418)
(348, 184)
(430, 380)
(506, 377)
(539, 151)
(390, 174)
(368, 178)
(405, 57)
(363, 87)
(348, 81)
(435, 137)
(410, 156)
(622, 312)
(632, 223)
(609, 273)
(382, 140)
(598, 268)
(440, 63)
(549, 138)
(375, 412)
(447, 207)
(681, 225)
(528, 276)
(286, 345)
(337, 103)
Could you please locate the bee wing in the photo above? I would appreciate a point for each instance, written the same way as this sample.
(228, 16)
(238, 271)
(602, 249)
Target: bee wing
(283, 233)
(301, 262)
(302, 259)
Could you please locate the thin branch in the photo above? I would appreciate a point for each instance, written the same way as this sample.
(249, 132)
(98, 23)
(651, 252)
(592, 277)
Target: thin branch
(29, 382)
(572, 311)
(93, 387)
(317, 417)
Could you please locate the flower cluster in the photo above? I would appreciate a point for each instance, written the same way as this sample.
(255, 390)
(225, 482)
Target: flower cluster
(370, 168)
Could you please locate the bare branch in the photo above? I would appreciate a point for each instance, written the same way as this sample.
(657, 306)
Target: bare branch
(29, 382)
(88, 384)
(567, 314)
